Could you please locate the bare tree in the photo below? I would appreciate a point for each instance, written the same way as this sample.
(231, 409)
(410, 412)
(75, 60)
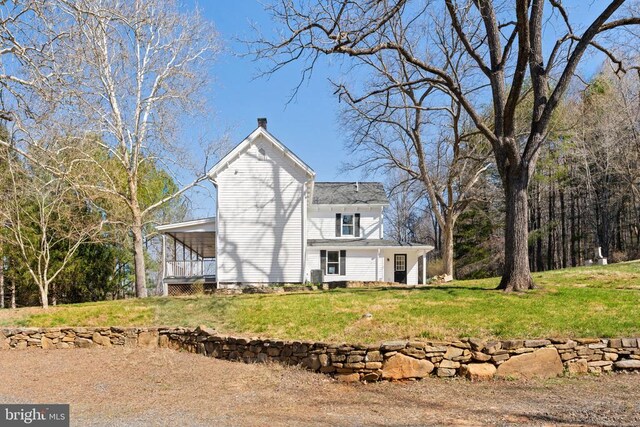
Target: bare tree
(47, 220)
(404, 122)
(606, 150)
(504, 41)
(399, 126)
(26, 66)
(127, 74)
(404, 219)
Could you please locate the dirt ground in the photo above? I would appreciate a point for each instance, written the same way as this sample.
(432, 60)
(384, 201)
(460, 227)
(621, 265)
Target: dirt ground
(134, 387)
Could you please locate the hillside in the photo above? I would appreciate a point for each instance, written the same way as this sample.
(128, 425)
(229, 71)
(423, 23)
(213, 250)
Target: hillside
(578, 302)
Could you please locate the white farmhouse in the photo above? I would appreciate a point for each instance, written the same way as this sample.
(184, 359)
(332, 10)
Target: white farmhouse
(275, 224)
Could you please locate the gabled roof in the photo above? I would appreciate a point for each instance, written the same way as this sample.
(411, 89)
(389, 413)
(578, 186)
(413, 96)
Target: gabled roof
(248, 140)
(349, 193)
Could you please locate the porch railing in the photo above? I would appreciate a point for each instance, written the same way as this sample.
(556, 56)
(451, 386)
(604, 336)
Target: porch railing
(203, 267)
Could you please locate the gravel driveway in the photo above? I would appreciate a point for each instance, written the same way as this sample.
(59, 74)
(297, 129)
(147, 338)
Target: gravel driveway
(135, 387)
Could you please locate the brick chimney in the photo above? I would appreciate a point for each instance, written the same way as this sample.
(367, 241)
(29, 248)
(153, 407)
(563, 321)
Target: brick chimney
(262, 122)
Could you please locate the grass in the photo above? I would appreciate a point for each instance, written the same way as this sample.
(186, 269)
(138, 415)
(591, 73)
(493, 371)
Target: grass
(580, 302)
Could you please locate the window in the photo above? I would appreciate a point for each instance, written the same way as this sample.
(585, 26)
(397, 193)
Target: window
(333, 262)
(347, 225)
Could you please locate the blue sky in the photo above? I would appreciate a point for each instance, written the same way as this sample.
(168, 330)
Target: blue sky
(308, 124)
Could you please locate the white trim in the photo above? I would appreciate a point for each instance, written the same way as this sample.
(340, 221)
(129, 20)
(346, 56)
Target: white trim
(248, 140)
(424, 267)
(359, 206)
(165, 287)
(178, 226)
(217, 237)
(426, 248)
(303, 206)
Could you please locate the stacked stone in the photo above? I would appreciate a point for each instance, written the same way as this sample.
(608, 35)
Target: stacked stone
(393, 360)
(62, 338)
(401, 360)
(600, 355)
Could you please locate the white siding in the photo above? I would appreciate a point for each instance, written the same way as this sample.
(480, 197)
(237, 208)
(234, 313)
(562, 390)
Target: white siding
(360, 265)
(260, 217)
(322, 222)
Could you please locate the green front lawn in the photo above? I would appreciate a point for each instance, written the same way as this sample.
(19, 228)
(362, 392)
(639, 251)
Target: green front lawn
(580, 302)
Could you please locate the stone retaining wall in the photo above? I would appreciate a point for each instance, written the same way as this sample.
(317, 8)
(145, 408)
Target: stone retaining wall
(393, 360)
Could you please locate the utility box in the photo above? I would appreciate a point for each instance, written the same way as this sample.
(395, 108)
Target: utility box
(317, 276)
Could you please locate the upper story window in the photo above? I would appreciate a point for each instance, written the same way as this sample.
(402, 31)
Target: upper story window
(348, 225)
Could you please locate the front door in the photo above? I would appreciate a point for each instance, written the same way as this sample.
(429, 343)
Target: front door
(400, 268)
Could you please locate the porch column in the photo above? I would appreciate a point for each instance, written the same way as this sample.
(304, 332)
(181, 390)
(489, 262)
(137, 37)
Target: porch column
(165, 287)
(424, 267)
(378, 266)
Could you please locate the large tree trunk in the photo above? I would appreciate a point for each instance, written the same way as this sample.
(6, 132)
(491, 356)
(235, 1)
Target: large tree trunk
(447, 245)
(516, 275)
(44, 297)
(138, 258)
(138, 244)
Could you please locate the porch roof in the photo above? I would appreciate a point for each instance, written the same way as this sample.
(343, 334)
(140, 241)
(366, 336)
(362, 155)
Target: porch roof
(367, 243)
(198, 235)
(192, 226)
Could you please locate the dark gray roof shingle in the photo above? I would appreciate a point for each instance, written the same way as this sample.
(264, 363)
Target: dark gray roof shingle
(347, 193)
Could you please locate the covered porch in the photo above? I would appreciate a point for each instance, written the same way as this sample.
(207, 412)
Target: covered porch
(367, 260)
(188, 256)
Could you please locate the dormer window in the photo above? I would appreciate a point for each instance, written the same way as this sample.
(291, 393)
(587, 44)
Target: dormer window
(348, 225)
